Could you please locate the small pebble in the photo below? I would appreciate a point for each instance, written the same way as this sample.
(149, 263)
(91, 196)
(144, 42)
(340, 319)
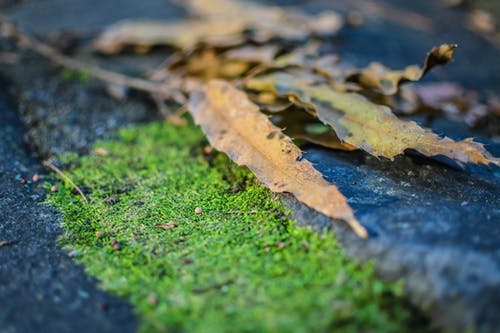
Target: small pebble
(153, 299)
(73, 253)
(117, 246)
(54, 188)
(187, 261)
(198, 210)
(100, 152)
(36, 178)
(207, 150)
(281, 245)
(98, 234)
(23, 181)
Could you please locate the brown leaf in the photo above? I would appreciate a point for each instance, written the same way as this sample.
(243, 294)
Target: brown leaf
(182, 34)
(253, 54)
(208, 63)
(266, 22)
(234, 125)
(371, 127)
(385, 81)
(218, 23)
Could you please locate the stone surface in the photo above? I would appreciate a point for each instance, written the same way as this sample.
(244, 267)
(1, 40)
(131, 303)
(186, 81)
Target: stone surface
(434, 225)
(41, 287)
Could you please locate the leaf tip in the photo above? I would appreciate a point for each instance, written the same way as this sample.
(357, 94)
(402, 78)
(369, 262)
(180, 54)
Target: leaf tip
(357, 227)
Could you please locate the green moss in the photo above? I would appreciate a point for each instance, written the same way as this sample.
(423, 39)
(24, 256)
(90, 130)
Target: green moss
(240, 266)
(70, 75)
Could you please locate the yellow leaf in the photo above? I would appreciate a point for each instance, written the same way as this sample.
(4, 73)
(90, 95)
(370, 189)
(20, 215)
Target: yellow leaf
(366, 125)
(385, 81)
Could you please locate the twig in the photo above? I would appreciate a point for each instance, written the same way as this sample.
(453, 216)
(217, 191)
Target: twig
(172, 118)
(61, 174)
(6, 243)
(9, 30)
(251, 74)
(214, 286)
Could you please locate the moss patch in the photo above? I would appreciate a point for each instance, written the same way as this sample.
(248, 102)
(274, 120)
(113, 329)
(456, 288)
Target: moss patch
(240, 266)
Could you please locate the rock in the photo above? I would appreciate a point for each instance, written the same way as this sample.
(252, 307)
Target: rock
(39, 283)
(434, 226)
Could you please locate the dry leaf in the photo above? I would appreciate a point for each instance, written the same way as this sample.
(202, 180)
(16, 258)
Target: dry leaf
(234, 125)
(218, 23)
(385, 81)
(300, 125)
(207, 63)
(369, 126)
(266, 22)
(182, 34)
(253, 54)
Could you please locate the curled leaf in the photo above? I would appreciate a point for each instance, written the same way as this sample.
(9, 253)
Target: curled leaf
(234, 125)
(371, 127)
(385, 81)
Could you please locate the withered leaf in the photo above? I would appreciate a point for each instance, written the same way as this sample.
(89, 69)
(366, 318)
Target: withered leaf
(218, 23)
(208, 63)
(144, 34)
(300, 125)
(253, 54)
(369, 126)
(266, 22)
(234, 125)
(385, 81)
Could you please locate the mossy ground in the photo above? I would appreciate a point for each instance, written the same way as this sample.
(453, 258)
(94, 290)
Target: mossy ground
(240, 266)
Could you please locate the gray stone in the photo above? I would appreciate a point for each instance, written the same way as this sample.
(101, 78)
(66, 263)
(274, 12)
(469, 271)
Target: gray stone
(434, 226)
(431, 224)
(41, 288)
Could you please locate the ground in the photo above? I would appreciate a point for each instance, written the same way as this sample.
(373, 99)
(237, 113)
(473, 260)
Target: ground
(445, 254)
